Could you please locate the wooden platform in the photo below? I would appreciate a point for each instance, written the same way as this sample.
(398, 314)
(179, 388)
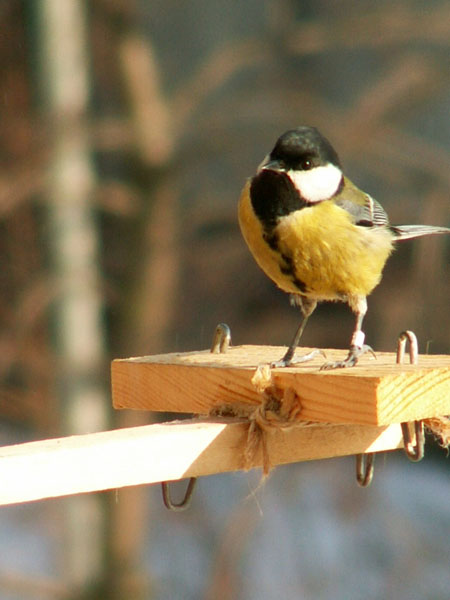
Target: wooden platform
(374, 392)
(355, 411)
(166, 452)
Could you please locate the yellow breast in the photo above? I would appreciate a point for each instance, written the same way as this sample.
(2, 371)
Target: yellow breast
(332, 257)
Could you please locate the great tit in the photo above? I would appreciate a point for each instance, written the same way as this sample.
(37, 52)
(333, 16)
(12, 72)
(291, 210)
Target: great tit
(315, 234)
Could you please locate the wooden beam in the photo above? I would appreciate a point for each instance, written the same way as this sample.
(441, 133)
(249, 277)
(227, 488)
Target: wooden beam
(375, 392)
(169, 451)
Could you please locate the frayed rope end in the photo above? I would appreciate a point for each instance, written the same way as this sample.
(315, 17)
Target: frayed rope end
(279, 409)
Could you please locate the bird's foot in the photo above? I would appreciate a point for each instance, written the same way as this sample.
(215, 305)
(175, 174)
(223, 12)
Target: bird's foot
(289, 360)
(350, 361)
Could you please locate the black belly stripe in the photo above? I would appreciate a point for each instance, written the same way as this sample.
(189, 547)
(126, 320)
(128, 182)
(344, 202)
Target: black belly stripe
(273, 195)
(289, 269)
(272, 241)
(286, 264)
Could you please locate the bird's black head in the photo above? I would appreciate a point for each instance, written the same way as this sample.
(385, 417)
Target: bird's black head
(309, 161)
(302, 149)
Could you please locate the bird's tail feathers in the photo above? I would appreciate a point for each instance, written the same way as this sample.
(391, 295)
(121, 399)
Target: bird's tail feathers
(406, 232)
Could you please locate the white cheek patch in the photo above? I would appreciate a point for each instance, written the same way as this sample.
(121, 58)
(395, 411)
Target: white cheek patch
(317, 184)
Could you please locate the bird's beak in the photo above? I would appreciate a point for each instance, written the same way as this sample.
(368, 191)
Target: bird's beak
(269, 164)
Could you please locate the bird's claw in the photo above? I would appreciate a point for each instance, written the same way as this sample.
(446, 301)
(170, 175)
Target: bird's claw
(290, 361)
(350, 361)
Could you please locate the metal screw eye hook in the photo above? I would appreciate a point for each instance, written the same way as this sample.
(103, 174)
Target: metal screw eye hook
(221, 339)
(364, 468)
(221, 343)
(413, 347)
(414, 451)
(184, 504)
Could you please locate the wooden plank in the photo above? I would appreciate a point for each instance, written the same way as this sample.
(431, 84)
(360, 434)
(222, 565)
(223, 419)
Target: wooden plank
(169, 451)
(375, 392)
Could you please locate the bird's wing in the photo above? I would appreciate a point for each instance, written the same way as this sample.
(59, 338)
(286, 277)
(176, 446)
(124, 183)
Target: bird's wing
(365, 211)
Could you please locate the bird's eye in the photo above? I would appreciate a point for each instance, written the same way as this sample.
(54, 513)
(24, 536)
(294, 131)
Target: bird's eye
(306, 164)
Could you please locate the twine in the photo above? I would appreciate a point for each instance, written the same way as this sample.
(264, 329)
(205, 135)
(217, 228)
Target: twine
(279, 410)
(440, 428)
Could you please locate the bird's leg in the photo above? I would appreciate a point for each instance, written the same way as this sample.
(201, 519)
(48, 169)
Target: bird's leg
(357, 345)
(307, 307)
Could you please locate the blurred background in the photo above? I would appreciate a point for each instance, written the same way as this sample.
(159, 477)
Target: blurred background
(127, 129)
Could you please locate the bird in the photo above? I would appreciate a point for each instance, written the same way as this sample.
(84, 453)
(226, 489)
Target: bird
(316, 234)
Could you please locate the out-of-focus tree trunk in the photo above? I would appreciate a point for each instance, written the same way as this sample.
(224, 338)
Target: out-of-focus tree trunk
(151, 300)
(73, 247)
